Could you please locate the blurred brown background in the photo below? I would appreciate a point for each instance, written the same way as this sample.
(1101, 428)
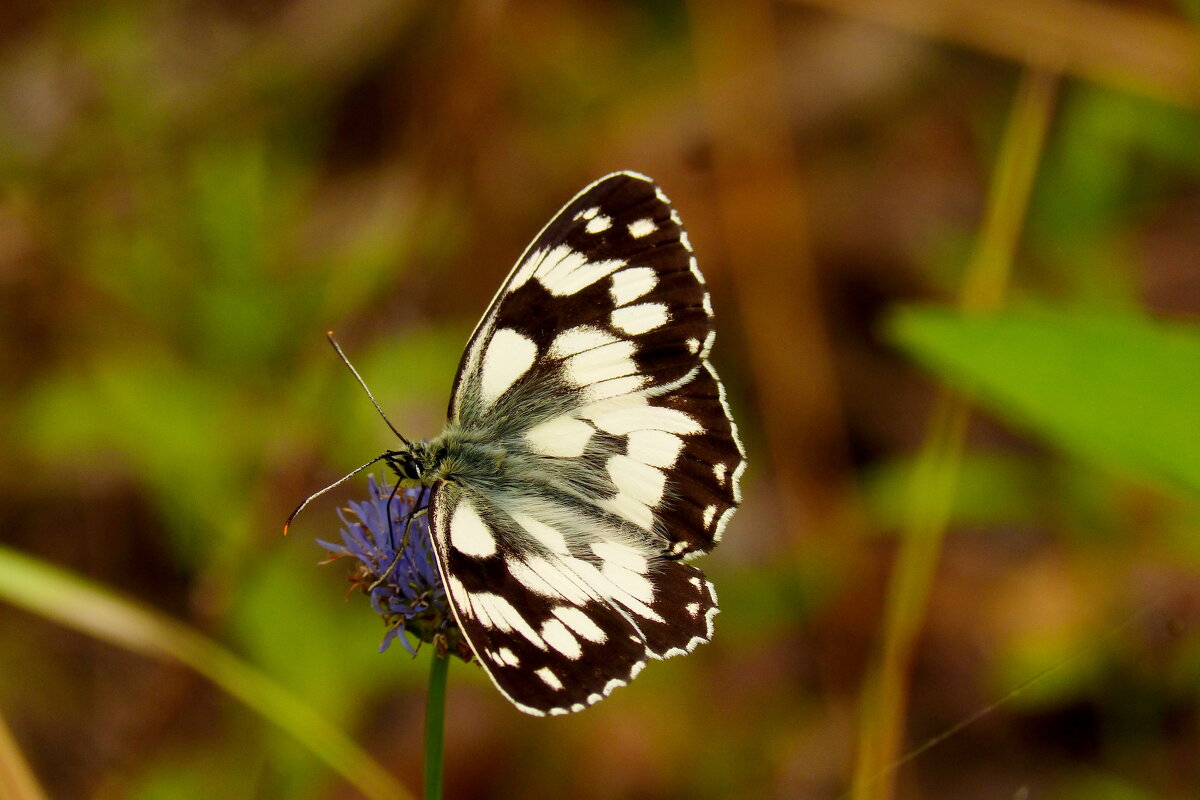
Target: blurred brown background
(191, 194)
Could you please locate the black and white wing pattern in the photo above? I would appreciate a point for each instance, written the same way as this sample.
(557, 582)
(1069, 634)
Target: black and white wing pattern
(596, 453)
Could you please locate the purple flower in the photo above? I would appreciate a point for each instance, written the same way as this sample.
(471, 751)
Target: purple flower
(407, 591)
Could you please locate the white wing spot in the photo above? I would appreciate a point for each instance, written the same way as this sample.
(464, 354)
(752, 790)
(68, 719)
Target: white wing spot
(627, 414)
(509, 356)
(578, 340)
(629, 581)
(558, 637)
(566, 586)
(719, 471)
(597, 360)
(642, 482)
(588, 213)
(642, 227)
(496, 612)
(600, 364)
(626, 507)
(564, 271)
(693, 345)
(656, 448)
(598, 224)
(581, 623)
(709, 513)
(612, 388)
(469, 534)
(639, 319)
(459, 593)
(621, 554)
(603, 584)
(630, 284)
(561, 437)
(506, 656)
(547, 675)
(530, 579)
(547, 536)
(693, 609)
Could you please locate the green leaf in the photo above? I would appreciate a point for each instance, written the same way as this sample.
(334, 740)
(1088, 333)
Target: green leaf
(1122, 390)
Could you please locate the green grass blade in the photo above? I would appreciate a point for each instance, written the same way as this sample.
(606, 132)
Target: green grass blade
(935, 479)
(17, 781)
(58, 595)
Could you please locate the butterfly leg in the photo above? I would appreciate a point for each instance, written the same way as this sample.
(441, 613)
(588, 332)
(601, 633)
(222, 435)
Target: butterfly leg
(403, 542)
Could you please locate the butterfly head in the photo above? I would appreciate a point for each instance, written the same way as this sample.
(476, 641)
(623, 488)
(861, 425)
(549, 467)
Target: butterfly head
(409, 462)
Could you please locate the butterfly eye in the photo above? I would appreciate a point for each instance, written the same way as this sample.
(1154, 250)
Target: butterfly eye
(409, 467)
(404, 465)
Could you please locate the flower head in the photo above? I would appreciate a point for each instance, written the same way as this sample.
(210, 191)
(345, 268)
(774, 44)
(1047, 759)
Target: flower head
(405, 587)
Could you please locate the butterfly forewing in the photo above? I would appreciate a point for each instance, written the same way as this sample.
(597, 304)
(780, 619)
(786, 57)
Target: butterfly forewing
(611, 456)
(613, 267)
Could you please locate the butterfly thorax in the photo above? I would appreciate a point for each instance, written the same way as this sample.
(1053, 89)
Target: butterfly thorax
(452, 456)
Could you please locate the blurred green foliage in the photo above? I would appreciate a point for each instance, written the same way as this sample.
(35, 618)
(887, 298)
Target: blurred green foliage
(190, 196)
(1123, 390)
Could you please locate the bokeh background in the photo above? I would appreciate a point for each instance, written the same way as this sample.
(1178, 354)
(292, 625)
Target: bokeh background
(954, 251)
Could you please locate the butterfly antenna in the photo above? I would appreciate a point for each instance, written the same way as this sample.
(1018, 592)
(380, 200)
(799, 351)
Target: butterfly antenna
(315, 495)
(363, 384)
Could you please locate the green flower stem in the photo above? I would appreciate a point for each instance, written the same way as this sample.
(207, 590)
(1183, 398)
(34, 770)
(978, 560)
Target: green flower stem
(435, 725)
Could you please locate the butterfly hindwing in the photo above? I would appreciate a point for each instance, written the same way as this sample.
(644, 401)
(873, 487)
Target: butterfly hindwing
(611, 455)
(556, 626)
(704, 478)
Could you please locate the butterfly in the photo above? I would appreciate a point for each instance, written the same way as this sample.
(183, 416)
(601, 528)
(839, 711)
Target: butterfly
(588, 455)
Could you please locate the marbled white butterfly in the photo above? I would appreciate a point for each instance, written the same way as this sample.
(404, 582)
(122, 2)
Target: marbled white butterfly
(589, 453)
